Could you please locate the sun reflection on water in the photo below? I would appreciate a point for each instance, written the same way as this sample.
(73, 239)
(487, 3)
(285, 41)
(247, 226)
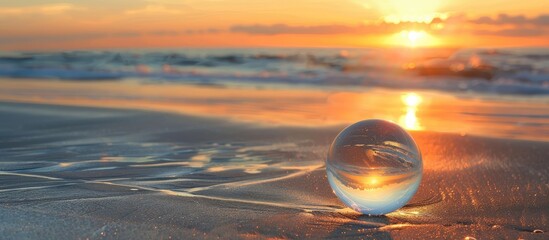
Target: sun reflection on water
(294, 107)
(409, 119)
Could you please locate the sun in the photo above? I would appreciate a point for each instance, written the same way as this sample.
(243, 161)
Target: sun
(412, 19)
(411, 99)
(413, 38)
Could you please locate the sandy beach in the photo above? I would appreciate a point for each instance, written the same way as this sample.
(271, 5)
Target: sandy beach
(246, 119)
(73, 172)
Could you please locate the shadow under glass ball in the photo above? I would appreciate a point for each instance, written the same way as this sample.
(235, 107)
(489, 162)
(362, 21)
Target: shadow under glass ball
(374, 167)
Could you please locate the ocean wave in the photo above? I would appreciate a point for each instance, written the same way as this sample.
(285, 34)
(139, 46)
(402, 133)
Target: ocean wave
(504, 71)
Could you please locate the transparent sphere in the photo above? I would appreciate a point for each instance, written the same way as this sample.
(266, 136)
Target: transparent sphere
(374, 167)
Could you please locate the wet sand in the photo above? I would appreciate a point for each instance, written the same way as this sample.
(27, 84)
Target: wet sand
(81, 172)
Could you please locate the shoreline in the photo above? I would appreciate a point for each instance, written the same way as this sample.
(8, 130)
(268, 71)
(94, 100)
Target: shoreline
(332, 127)
(439, 112)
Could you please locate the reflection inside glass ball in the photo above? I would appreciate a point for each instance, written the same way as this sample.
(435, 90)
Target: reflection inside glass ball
(374, 167)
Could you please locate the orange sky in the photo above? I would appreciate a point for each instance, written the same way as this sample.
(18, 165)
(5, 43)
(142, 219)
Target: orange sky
(47, 24)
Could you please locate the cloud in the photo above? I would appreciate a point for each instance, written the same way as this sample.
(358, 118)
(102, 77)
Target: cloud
(185, 32)
(504, 19)
(287, 29)
(203, 31)
(514, 25)
(165, 33)
(505, 25)
(43, 9)
(153, 9)
(66, 37)
(320, 29)
(515, 32)
(100, 35)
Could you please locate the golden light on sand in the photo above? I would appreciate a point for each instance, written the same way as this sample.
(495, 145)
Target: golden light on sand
(410, 120)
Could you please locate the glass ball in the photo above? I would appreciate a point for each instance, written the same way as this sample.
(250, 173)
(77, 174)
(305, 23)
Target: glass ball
(374, 167)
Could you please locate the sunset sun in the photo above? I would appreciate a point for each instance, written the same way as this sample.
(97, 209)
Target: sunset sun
(414, 38)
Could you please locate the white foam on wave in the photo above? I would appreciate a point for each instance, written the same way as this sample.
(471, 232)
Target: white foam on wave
(478, 70)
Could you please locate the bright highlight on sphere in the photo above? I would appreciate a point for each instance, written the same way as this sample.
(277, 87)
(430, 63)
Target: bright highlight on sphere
(374, 167)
